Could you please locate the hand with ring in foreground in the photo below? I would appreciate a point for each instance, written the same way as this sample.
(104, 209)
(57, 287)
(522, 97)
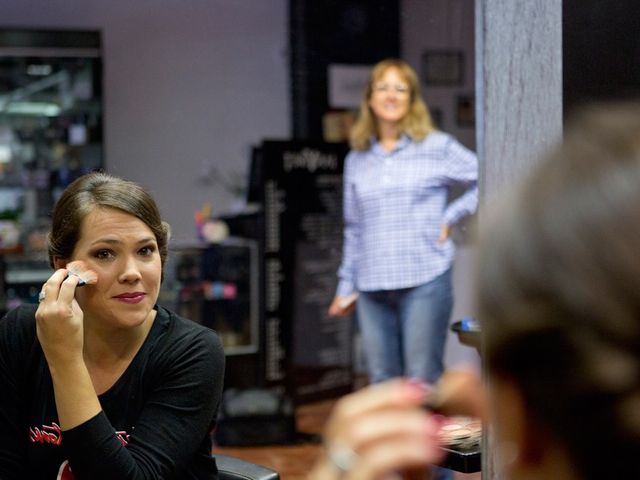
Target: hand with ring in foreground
(59, 319)
(378, 430)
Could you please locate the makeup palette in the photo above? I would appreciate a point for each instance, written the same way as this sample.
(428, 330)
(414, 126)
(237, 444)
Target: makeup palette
(461, 432)
(461, 438)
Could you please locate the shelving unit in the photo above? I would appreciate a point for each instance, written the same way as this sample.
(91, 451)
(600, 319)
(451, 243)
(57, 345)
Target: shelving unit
(217, 285)
(50, 134)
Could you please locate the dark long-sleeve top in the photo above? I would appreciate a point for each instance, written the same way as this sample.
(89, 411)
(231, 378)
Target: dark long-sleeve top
(155, 421)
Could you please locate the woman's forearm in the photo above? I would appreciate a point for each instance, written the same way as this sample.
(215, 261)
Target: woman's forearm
(76, 399)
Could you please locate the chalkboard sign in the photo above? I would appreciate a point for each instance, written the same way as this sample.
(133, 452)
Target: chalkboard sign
(305, 349)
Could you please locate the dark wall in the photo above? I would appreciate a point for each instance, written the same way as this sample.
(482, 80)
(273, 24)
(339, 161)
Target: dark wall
(601, 51)
(323, 32)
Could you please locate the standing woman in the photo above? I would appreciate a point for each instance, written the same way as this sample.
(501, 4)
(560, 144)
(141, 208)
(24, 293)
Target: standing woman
(397, 252)
(98, 381)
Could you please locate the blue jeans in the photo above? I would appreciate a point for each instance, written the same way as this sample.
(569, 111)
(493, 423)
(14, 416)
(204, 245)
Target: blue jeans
(404, 331)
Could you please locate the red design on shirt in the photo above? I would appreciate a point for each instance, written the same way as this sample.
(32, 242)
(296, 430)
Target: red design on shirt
(123, 436)
(47, 434)
(65, 473)
(52, 434)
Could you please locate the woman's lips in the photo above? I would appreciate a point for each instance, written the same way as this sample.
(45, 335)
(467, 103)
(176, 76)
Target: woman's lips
(135, 297)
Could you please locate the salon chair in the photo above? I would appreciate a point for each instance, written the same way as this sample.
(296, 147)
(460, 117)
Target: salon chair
(234, 468)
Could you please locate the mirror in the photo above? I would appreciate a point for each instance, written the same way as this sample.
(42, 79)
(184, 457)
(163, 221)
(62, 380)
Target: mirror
(185, 105)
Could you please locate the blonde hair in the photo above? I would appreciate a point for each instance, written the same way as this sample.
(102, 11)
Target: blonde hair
(417, 123)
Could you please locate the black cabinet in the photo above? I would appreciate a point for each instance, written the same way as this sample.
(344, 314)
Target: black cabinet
(218, 285)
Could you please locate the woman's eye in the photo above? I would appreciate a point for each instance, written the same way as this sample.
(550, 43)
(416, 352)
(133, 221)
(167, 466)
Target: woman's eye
(103, 254)
(147, 251)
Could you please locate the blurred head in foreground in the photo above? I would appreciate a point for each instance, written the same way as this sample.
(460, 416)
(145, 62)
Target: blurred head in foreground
(559, 298)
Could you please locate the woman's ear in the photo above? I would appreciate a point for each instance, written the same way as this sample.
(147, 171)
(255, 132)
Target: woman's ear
(59, 262)
(524, 447)
(516, 443)
(508, 418)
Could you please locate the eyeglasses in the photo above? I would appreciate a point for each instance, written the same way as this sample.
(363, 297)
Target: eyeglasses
(385, 87)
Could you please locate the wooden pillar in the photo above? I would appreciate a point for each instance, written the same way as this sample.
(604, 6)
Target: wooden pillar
(518, 104)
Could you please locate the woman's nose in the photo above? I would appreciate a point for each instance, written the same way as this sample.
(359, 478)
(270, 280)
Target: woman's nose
(130, 271)
(392, 94)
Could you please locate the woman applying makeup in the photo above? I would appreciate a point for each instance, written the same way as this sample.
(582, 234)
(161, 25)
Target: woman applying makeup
(98, 380)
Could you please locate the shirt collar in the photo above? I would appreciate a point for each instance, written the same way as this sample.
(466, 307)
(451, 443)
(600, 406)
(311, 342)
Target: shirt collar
(376, 146)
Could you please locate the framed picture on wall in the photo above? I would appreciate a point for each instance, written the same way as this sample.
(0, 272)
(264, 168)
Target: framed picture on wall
(442, 67)
(465, 111)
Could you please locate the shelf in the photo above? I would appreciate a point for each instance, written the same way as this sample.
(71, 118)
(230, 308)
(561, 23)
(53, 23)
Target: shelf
(27, 276)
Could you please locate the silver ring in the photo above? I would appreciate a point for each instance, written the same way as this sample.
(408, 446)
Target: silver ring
(343, 458)
(41, 296)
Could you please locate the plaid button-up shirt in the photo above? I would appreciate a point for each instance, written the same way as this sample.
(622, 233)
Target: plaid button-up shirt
(395, 204)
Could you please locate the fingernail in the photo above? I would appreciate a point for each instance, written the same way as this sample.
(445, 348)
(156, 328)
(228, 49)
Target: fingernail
(438, 420)
(433, 425)
(418, 388)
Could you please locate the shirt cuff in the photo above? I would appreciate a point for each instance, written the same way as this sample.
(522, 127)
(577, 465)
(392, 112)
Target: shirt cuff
(93, 437)
(345, 288)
